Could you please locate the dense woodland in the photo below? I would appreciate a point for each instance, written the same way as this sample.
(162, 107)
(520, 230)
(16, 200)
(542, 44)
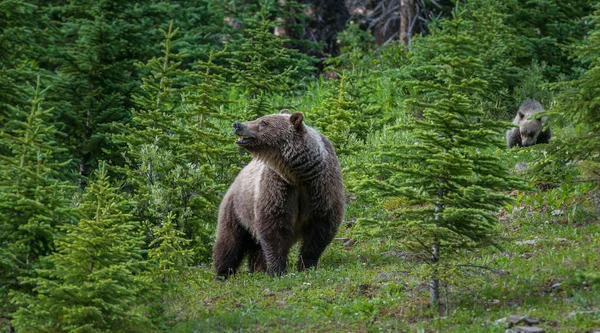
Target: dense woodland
(117, 146)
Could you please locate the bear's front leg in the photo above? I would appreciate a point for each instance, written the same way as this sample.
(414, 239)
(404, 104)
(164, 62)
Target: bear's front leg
(232, 242)
(544, 137)
(276, 241)
(316, 235)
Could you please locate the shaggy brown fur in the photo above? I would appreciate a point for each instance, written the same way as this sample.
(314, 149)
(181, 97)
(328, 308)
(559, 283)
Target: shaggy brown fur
(529, 132)
(291, 190)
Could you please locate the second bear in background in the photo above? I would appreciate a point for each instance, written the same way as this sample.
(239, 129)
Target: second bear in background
(529, 132)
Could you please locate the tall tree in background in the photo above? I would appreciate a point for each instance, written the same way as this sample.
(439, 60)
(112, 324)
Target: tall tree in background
(543, 26)
(311, 26)
(579, 103)
(94, 47)
(261, 65)
(450, 187)
(398, 20)
(33, 198)
(93, 282)
(407, 20)
(17, 44)
(175, 154)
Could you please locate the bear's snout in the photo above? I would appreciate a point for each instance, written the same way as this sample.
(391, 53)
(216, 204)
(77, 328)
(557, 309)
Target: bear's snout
(239, 128)
(245, 135)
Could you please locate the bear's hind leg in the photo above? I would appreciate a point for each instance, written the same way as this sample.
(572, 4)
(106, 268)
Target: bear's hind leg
(315, 239)
(256, 259)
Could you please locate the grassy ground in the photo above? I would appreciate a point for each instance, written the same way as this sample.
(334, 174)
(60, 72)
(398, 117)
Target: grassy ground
(545, 270)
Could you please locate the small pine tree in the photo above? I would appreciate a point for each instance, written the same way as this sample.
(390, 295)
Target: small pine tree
(93, 281)
(579, 103)
(447, 179)
(176, 151)
(171, 252)
(339, 116)
(33, 198)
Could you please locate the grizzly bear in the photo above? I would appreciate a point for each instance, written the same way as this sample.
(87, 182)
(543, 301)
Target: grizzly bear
(529, 131)
(291, 191)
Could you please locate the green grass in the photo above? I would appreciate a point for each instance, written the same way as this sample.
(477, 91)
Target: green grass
(363, 287)
(366, 286)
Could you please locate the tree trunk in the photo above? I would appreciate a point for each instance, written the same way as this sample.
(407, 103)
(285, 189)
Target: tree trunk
(598, 202)
(407, 10)
(434, 284)
(283, 30)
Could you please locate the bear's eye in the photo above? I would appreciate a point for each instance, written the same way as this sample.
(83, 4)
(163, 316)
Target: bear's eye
(263, 123)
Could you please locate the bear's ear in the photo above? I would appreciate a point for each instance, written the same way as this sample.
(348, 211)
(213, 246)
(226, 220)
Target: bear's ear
(521, 115)
(296, 119)
(284, 111)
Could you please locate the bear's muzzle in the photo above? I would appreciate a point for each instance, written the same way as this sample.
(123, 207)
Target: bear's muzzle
(243, 133)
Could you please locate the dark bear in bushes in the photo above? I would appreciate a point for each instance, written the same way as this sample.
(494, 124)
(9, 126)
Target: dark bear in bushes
(530, 131)
(292, 190)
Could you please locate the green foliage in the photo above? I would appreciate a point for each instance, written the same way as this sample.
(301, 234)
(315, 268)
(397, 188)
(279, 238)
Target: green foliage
(578, 103)
(448, 186)
(563, 204)
(16, 42)
(543, 26)
(201, 28)
(170, 250)
(94, 45)
(92, 283)
(261, 65)
(357, 49)
(340, 116)
(33, 194)
(532, 86)
(496, 48)
(176, 161)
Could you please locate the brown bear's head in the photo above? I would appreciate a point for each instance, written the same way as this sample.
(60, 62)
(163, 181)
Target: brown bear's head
(270, 133)
(530, 129)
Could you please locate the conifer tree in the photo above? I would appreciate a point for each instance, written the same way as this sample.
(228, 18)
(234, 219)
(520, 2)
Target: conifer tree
(171, 251)
(579, 103)
(92, 283)
(33, 196)
(175, 149)
(94, 47)
(498, 50)
(339, 116)
(543, 25)
(447, 181)
(262, 65)
(16, 50)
